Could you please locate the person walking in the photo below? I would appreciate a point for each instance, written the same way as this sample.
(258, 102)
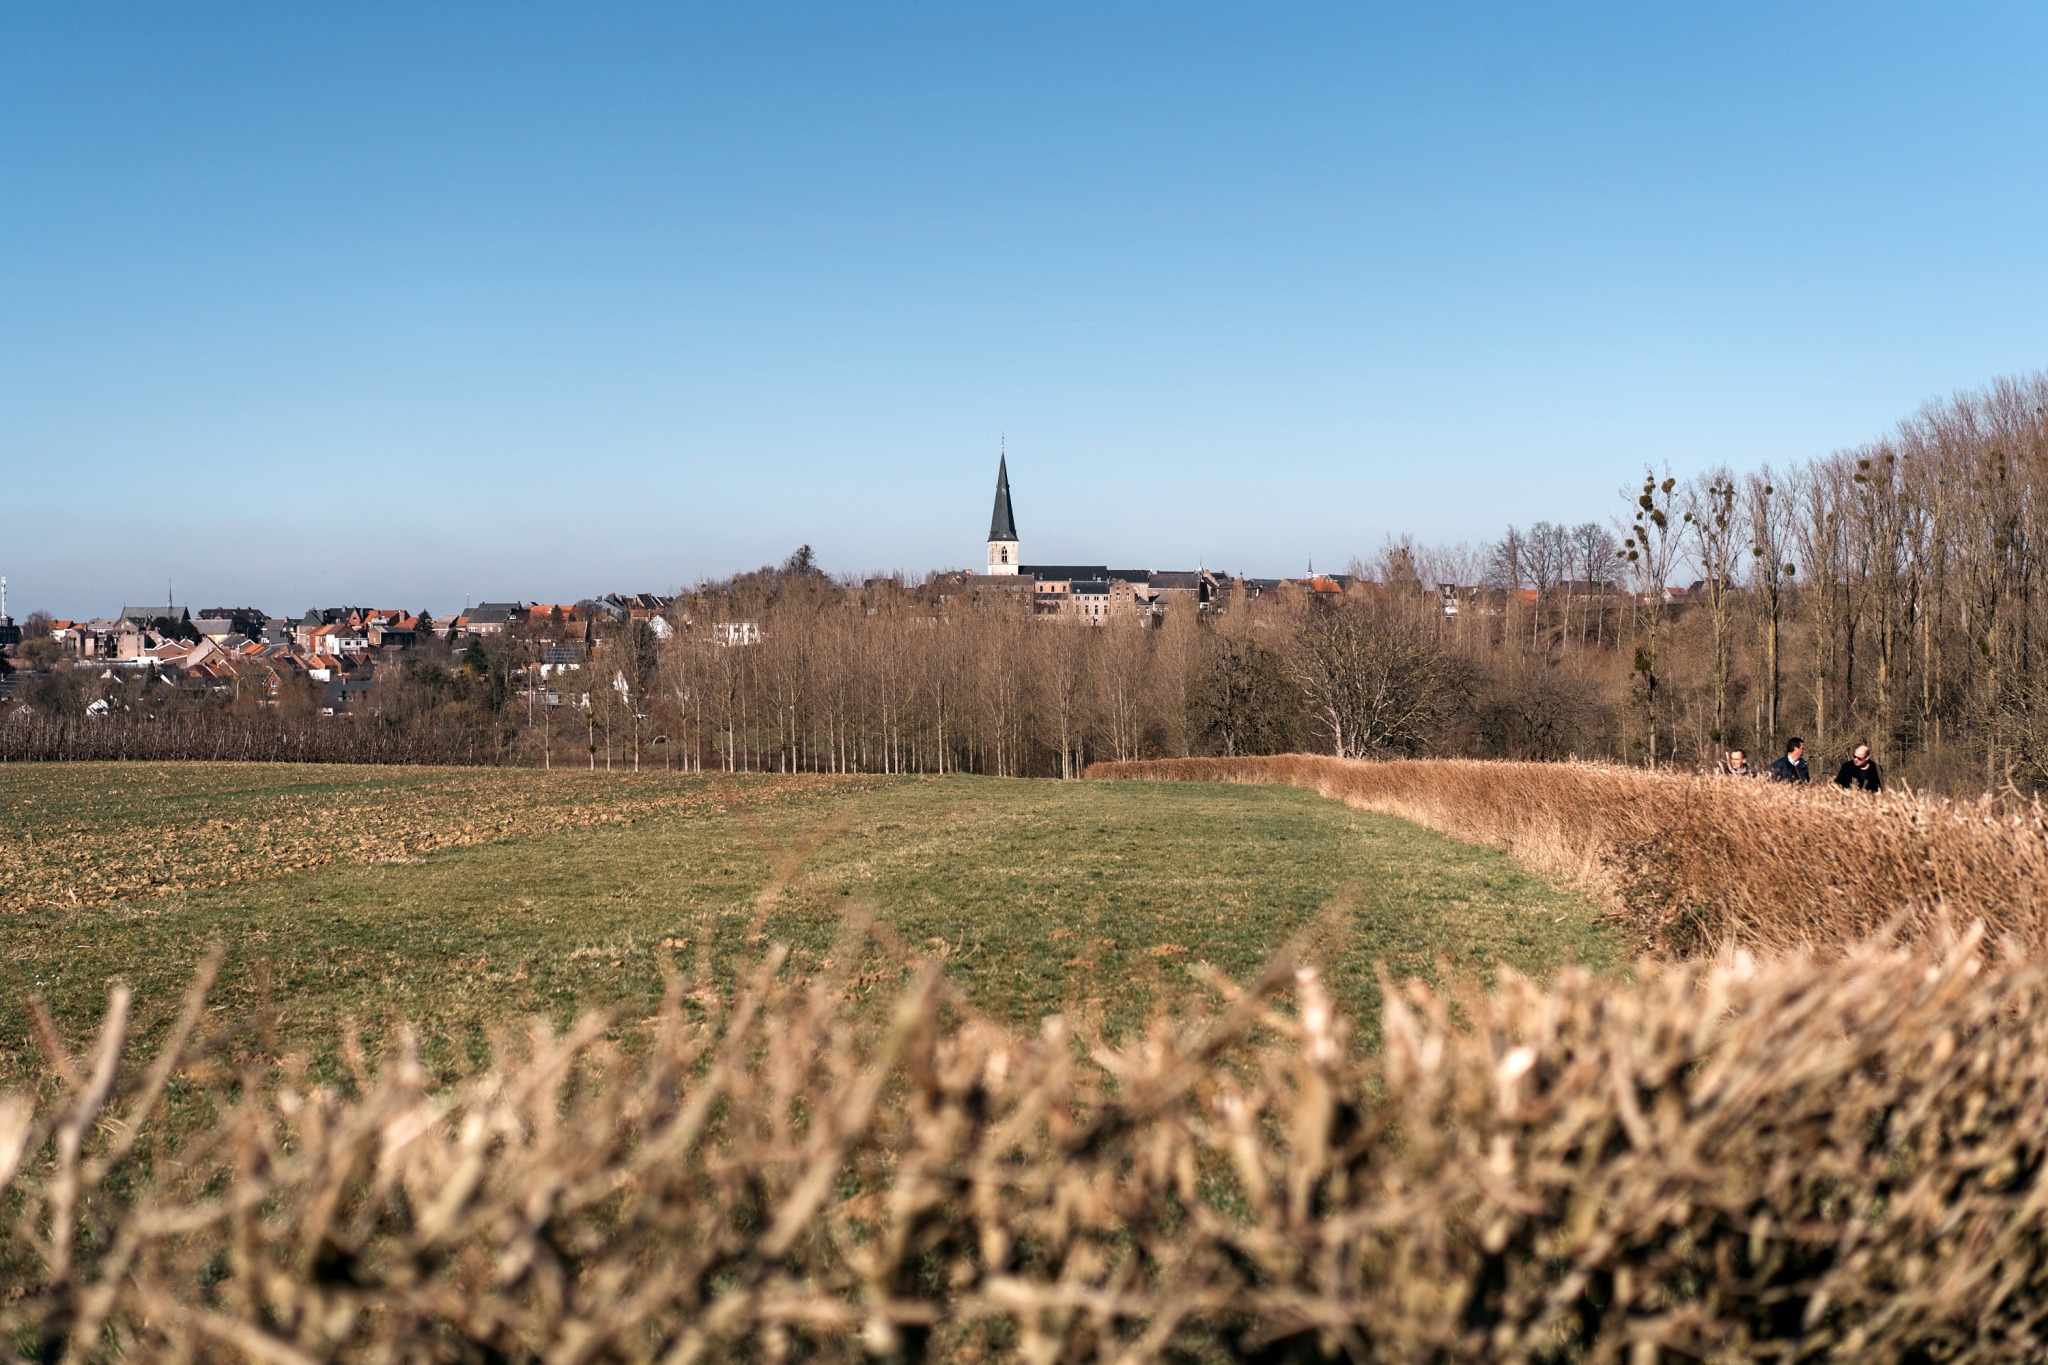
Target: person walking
(1859, 771)
(1792, 767)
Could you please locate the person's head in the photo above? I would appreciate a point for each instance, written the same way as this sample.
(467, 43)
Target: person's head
(1860, 755)
(1794, 747)
(1737, 759)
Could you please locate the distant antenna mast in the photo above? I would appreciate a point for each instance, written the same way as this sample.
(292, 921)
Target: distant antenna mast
(3, 599)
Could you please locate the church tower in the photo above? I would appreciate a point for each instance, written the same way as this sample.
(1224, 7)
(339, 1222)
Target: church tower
(1002, 527)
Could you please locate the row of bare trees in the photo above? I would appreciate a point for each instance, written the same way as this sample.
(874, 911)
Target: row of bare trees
(1890, 593)
(797, 673)
(787, 671)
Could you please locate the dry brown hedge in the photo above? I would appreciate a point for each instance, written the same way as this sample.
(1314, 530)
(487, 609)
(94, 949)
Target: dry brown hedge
(1787, 1160)
(26, 737)
(1692, 862)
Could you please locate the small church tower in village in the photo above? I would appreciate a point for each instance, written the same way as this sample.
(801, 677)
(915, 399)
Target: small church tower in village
(1002, 527)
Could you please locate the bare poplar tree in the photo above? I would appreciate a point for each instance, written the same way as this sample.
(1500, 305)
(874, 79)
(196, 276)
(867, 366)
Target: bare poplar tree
(1885, 525)
(1176, 657)
(1772, 571)
(1121, 667)
(1713, 524)
(1649, 548)
(1821, 533)
(1061, 664)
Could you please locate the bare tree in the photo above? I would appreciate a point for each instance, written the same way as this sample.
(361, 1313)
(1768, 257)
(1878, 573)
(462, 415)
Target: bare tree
(1821, 534)
(1507, 560)
(1120, 668)
(1713, 524)
(1176, 656)
(1061, 663)
(1547, 557)
(1769, 524)
(1650, 548)
(1593, 559)
(1243, 701)
(1373, 675)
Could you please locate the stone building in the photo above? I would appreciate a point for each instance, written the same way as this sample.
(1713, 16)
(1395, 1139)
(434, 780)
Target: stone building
(1095, 593)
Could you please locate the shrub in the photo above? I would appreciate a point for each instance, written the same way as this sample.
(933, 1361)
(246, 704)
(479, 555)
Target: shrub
(1732, 1159)
(1691, 863)
(53, 728)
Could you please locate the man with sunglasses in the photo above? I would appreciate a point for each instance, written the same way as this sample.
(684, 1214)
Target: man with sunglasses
(1859, 772)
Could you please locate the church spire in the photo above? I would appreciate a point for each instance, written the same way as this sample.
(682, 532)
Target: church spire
(1003, 525)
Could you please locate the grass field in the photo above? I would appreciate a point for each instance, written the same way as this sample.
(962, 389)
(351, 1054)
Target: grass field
(459, 898)
(1669, 1159)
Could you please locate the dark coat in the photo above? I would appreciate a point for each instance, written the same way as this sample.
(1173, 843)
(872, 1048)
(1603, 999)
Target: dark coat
(1865, 778)
(1790, 769)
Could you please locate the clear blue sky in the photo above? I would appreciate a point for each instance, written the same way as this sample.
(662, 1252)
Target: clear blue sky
(404, 304)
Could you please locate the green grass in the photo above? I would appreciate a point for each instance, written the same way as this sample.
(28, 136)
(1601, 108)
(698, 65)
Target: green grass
(1089, 898)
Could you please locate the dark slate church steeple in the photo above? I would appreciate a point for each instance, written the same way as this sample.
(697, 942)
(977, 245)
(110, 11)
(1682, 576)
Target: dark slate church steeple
(1002, 526)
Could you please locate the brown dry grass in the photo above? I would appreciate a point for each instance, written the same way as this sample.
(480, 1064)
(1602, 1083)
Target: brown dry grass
(1799, 1159)
(169, 827)
(1691, 863)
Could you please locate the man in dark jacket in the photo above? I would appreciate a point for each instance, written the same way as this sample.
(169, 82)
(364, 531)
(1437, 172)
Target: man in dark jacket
(1858, 772)
(1792, 767)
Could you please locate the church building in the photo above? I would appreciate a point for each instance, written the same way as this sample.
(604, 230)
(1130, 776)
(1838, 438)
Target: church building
(1094, 593)
(1002, 527)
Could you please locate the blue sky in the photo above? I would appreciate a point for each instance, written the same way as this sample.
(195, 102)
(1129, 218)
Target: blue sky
(409, 304)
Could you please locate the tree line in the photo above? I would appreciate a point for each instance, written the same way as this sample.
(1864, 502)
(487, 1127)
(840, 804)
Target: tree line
(1890, 593)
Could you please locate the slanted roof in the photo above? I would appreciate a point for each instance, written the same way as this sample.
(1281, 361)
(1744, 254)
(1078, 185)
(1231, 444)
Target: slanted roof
(1002, 525)
(1063, 572)
(494, 613)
